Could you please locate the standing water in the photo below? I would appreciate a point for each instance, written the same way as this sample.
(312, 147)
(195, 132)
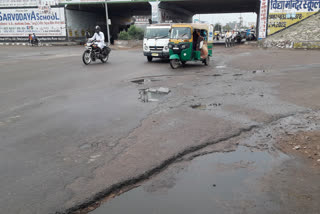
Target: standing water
(234, 182)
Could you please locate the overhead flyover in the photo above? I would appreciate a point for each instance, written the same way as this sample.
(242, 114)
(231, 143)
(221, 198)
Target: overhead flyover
(115, 8)
(214, 6)
(121, 11)
(143, 7)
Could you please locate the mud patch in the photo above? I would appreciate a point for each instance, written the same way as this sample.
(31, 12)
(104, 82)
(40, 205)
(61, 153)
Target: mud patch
(302, 144)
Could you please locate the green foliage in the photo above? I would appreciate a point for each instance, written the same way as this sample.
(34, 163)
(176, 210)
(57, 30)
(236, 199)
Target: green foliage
(135, 32)
(123, 35)
(217, 27)
(227, 28)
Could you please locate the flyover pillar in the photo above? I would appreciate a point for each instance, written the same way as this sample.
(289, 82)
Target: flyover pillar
(155, 13)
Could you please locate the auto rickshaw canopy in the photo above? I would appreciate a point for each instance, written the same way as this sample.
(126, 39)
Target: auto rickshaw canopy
(198, 26)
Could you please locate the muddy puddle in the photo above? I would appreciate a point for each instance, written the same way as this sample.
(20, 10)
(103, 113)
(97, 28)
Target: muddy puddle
(153, 94)
(214, 183)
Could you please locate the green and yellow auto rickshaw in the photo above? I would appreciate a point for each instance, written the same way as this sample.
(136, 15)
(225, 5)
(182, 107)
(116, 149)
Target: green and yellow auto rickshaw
(190, 42)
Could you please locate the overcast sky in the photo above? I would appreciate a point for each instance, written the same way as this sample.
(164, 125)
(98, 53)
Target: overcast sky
(229, 17)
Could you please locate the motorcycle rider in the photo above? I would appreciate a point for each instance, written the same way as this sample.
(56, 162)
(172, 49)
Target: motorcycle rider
(99, 38)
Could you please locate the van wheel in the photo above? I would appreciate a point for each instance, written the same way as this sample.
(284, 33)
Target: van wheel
(174, 63)
(149, 58)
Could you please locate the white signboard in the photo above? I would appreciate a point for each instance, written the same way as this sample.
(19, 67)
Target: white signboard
(285, 13)
(90, 1)
(211, 34)
(263, 19)
(27, 3)
(80, 1)
(22, 22)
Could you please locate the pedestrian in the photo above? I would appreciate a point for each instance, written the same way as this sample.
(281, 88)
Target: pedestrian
(35, 39)
(30, 39)
(228, 39)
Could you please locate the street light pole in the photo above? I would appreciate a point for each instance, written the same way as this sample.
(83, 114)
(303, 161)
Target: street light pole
(107, 17)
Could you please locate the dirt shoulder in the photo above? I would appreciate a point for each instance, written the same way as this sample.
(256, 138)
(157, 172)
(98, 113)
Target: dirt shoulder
(302, 144)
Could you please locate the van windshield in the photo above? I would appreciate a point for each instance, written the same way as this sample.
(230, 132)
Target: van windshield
(181, 33)
(159, 33)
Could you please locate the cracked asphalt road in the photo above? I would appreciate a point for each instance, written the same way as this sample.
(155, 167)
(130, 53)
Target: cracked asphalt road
(71, 133)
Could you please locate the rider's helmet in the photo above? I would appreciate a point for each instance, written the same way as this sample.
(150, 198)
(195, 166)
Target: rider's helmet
(97, 29)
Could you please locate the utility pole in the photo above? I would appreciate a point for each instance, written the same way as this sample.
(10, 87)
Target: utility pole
(107, 17)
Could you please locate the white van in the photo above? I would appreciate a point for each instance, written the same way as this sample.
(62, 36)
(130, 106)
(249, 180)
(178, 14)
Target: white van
(156, 41)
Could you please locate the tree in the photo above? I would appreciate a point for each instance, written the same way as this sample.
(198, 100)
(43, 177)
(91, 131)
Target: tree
(227, 28)
(123, 35)
(135, 32)
(217, 27)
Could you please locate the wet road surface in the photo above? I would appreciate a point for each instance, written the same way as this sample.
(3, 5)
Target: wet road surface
(70, 134)
(252, 176)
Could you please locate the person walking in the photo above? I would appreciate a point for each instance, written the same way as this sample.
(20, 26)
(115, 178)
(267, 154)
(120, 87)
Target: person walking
(30, 39)
(35, 40)
(228, 39)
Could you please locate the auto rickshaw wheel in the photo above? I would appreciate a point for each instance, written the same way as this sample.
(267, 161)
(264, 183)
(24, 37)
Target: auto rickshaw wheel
(207, 61)
(174, 63)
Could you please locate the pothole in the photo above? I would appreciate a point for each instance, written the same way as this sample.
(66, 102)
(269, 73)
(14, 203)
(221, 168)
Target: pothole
(200, 106)
(221, 66)
(153, 94)
(213, 75)
(258, 71)
(144, 81)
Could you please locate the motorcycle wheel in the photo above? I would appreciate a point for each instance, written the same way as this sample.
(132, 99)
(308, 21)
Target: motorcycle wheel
(105, 59)
(86, 57)
(174, 63)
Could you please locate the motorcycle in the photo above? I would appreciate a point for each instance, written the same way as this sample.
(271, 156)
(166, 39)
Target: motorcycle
(93, 52)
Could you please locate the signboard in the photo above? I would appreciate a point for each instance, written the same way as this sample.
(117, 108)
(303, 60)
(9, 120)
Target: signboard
(284, 13)
(22, 22)
(27, 3)
(211, 34)
(80, 1)
(263, 19)
(91, 1)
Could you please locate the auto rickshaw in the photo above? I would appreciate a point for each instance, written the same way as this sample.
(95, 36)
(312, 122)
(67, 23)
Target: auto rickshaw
(190, 42)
